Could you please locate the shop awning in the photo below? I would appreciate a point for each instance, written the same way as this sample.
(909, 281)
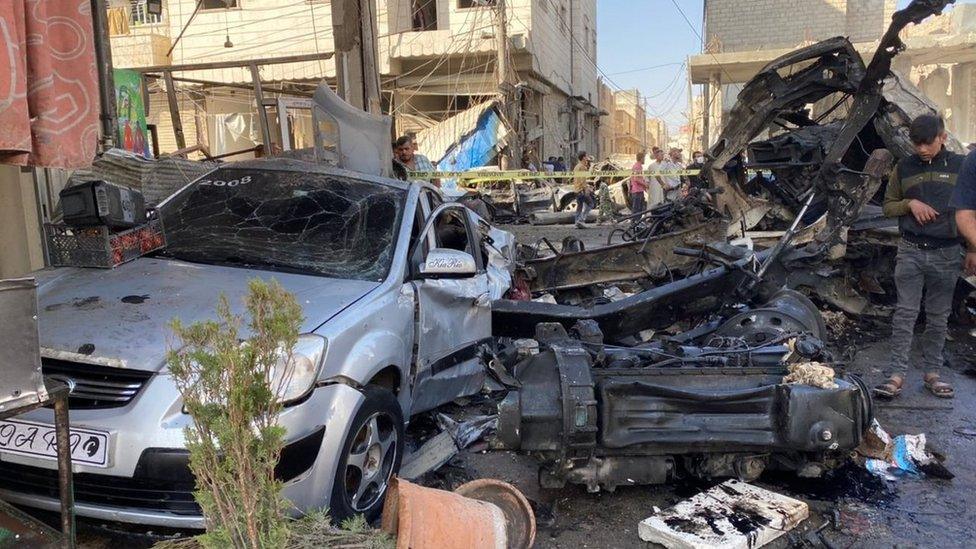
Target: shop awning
(48, 84)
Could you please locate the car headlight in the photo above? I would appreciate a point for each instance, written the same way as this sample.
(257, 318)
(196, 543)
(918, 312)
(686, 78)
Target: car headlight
(294, 375)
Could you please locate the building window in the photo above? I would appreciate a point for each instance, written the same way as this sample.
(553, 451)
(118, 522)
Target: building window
(219, 4)
(424, 15)
(463, 4)
(139, 13)
(586, 37)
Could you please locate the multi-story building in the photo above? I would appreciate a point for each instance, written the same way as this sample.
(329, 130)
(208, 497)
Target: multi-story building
(657, 133)
(630, 123)
(607, 128)
(435, 58)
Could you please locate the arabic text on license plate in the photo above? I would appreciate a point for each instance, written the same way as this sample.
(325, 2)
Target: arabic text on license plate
(39, 440)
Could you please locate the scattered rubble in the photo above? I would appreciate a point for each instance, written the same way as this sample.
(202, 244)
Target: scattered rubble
(904, 455)
(813, 374)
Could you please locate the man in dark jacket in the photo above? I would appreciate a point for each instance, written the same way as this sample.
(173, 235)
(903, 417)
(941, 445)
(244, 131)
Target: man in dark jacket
(929, 254)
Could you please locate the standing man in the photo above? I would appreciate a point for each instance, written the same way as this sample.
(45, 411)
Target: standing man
(669, 183)
(677, 163)
(584, 191)
(697, 163)
(638, 187)
(404, 150)
(964, 201)
(929, 257)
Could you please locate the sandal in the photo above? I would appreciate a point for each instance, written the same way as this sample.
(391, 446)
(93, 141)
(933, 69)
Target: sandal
(891, 388)
(937, 387)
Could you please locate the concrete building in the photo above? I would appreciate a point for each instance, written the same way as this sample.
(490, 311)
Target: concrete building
(436, 58)
(607, 128)
(941, 60)
(630, 123)
(657, 133)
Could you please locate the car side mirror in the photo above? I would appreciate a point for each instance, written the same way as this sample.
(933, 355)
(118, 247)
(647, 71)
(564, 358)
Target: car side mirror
(447, 263)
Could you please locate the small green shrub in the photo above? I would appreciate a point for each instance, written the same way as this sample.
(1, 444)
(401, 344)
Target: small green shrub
(235, 440)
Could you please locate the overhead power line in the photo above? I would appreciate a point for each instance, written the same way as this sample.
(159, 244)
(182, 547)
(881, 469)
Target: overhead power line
(652, 67)
(701, 38)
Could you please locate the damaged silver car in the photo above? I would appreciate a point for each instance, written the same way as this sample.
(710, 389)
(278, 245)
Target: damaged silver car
(395, 286)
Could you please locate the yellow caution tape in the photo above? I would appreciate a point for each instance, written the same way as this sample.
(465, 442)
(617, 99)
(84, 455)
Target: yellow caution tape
(473, 176)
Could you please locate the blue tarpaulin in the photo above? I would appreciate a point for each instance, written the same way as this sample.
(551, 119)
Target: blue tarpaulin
(477, 148)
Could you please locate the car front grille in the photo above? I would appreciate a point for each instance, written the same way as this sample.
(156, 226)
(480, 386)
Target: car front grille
(150, 494)
(162, 480)
(96, 386)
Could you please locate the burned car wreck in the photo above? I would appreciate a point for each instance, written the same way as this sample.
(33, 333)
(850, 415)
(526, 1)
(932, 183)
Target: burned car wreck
(834, 157)
(723, 370)
(605, 416)
(693, 378)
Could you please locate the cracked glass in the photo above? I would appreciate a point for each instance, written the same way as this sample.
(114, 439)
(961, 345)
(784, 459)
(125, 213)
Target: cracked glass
(288, 221)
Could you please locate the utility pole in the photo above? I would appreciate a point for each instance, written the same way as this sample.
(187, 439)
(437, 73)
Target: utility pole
(501, 45)
(511, 103)
(354, 28)
(106, 81)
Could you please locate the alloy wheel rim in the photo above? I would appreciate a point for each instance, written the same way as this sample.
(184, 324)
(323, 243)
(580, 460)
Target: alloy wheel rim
(369, 464)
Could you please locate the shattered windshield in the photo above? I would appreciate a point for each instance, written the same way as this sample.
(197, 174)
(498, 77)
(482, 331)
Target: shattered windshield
(286, 220)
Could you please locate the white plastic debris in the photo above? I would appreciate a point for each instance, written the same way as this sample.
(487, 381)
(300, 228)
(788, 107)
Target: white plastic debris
(731, 515)
(892, 458)
(614, 293)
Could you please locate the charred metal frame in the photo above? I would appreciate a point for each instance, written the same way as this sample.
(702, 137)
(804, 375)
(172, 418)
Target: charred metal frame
(656, 308)
(624, 261)
(606, 416)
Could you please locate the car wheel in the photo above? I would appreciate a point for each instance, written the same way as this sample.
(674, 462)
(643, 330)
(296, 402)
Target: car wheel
(568, 203)
(370, 456)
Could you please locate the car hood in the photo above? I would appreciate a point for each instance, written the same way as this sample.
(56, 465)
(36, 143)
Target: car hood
(120, 316)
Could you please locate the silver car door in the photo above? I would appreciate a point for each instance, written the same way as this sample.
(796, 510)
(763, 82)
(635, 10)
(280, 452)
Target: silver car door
(453, 313)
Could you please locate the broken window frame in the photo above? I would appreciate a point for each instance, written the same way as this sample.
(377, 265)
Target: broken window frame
(384, 259)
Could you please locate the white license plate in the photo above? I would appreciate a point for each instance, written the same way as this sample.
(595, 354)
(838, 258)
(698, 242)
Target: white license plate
(27, 438)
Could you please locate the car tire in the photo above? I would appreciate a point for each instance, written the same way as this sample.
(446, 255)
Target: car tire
(568, 203)
(370, 456)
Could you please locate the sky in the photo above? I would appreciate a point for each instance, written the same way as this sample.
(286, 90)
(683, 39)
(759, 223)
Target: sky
(643, 44)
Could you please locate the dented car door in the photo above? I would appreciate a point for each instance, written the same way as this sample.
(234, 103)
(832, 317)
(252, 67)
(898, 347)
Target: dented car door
(453, 312)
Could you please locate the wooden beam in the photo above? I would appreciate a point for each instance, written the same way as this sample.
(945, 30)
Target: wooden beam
(174, 111)
(262, 111)
(233, 85)
(237, 64)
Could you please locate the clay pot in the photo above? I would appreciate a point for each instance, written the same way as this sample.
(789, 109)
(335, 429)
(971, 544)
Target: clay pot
(519, 518)
(426, 518)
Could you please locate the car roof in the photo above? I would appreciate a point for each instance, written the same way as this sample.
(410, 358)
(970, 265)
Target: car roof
(304, 166)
